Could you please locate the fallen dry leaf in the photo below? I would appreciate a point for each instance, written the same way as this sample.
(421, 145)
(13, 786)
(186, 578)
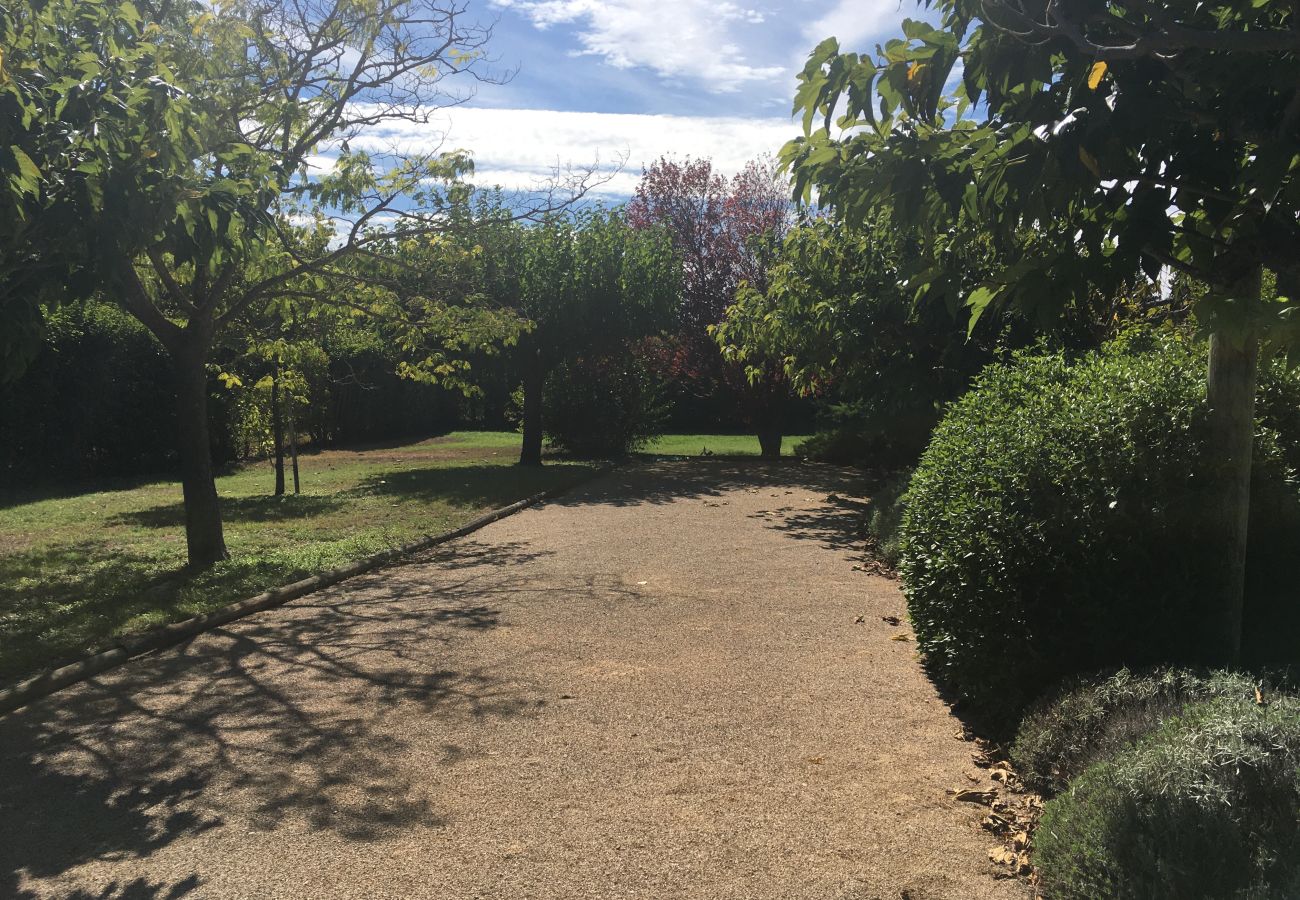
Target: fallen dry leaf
(996, 823)
(900, 637)
(1002, 856)
(891, 620)
(968, 795)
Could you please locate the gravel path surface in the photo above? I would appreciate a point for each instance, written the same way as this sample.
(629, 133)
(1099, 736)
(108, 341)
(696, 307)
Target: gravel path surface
(658, 686)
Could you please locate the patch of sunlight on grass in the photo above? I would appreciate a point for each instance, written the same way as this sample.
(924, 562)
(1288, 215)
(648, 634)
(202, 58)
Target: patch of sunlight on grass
(721, 444)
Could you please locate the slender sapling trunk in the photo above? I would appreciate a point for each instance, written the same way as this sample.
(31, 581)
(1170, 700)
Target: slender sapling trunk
(277, 431)
(1230, 392)
(293, 449)
(534, 380)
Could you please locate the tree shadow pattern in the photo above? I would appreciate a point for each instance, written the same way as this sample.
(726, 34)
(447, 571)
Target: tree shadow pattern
(279, 718)
(838, 522)
(268, 720)
(666, 481)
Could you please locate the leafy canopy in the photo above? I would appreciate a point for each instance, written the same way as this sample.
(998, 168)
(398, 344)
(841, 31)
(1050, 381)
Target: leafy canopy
(1125, 135)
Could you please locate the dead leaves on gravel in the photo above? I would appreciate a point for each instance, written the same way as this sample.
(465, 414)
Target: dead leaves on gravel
(1012, 810)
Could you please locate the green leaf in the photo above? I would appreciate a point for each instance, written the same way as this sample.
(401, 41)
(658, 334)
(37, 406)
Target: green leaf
(27, 178)
(978, 301)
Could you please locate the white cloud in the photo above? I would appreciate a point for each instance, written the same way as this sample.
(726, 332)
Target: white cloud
(677, 39)
(518, 149)
(853, 22)
(320, 165)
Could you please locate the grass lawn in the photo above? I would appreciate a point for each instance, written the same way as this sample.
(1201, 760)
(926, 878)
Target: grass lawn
(721, 444)
(77, 569)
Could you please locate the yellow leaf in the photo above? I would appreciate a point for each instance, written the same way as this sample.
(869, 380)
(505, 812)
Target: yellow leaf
(913, 69)
(1094, 76)
(1090, 161)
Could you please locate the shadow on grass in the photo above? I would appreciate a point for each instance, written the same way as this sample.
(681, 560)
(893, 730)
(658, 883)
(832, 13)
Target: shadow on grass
(11, 495)
(57, 602)
(490, 486)
(281, 719)
(237, 509)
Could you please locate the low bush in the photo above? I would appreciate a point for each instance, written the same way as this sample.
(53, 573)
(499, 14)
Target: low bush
(602, 407)
(885, 515)
(1053, 524)
(854, 434)
(1092, 719)
(1208, 806)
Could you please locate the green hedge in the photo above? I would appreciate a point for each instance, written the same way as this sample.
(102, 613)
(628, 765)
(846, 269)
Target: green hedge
(1208, 807)
(605, 406)
(885, 515)
(1095, 718)
(95, 402)
(1052, 525)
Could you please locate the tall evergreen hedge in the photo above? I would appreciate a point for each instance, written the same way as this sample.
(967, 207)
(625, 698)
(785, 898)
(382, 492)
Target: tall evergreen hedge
(1054, 524)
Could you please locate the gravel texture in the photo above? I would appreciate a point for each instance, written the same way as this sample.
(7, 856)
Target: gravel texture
(672, 683)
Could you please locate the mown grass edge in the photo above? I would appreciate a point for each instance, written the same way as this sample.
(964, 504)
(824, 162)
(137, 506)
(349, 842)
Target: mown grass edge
(129, 647)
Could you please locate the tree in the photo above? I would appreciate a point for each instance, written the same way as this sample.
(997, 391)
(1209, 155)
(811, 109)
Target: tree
(842, 326)
(81, 81)
(726, 233)
(583, 283)
(1126, 136)
(194, 202)
(838, 313)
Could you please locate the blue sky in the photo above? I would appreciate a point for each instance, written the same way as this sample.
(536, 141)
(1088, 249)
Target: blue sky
(604, 80)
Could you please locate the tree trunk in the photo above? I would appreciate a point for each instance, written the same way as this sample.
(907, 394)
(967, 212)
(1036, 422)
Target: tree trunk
(293, 449)
(534, 379)
(769, 443)
(1230, 392)
(277, 431)
(204, 538)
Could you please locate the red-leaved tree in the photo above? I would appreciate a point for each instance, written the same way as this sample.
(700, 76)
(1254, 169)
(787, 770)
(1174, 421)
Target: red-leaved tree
(726, 231)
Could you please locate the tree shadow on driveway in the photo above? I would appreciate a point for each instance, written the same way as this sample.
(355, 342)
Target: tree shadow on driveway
(837, 521)
(667, 481)
(838, 524)
(276, 720)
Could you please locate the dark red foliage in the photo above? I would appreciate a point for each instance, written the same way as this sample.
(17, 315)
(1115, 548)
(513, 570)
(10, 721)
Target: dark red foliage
(727, 232)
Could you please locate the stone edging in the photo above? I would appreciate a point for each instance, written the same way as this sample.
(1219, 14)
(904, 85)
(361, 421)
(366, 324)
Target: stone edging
(47, 682)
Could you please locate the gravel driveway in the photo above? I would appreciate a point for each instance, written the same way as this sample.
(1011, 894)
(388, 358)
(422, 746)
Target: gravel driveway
(671, 683)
